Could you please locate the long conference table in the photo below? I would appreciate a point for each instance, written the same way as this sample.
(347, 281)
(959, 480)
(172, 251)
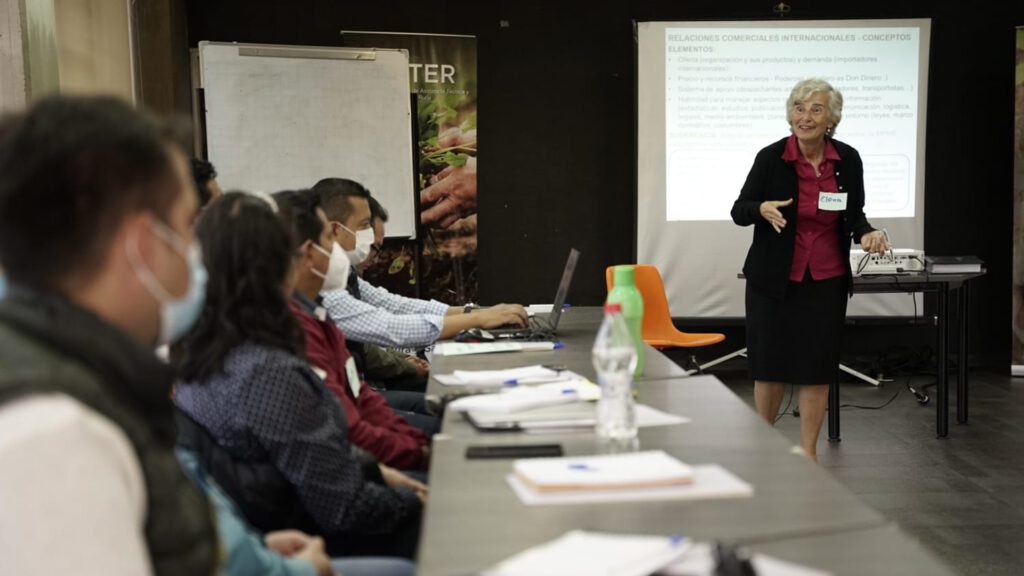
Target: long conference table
(798, 511)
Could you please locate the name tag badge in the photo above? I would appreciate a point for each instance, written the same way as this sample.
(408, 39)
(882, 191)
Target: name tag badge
(832, 201)
(353, 376)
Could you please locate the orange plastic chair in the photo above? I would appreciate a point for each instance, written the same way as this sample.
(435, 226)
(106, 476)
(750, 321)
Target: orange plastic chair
(658, 330)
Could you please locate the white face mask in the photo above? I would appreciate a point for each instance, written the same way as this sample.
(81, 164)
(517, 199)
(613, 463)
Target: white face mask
(364, 240)
(337, 268)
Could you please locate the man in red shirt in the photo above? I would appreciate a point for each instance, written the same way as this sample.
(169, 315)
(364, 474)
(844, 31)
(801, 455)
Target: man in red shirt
(372, 425)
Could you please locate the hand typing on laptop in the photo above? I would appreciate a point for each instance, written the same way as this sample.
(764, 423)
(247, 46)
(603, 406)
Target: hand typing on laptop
(512, 315)
(541, 328)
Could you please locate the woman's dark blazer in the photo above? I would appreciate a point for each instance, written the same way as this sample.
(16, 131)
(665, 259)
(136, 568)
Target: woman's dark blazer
(772, 178)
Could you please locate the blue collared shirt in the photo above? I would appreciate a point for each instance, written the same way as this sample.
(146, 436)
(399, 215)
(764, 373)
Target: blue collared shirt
(385, 319)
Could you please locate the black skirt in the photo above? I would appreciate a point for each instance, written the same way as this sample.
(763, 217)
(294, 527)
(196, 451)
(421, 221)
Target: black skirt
(797, 339)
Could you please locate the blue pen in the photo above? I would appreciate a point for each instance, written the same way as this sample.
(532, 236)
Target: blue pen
(535, 380)
(511, 383)
(582, 467)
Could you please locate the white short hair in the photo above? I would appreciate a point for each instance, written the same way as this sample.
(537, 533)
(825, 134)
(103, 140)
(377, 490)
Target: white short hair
(804, 89)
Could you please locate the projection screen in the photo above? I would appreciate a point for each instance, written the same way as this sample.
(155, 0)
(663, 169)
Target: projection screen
(711, 94)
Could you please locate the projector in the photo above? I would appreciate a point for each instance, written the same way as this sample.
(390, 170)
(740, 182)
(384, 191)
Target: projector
(897, 261)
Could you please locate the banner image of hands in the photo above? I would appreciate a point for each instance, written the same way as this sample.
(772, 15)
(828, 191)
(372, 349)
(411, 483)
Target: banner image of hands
(443, 75)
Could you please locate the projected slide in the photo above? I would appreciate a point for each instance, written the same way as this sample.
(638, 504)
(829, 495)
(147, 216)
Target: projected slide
(725, 92)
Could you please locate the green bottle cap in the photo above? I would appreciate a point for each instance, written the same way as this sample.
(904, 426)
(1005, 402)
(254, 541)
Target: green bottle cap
(625, 276)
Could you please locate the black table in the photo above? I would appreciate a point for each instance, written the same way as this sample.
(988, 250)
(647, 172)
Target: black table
(576, 330)
(473, 519)
(879, 550)
(944, 285)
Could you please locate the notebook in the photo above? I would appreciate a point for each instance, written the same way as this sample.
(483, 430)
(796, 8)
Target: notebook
(649, 469)
(570, 415)
(710, 481)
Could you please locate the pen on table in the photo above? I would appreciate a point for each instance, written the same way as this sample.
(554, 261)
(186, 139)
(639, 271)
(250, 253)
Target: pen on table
(518, 381)
(541, 346)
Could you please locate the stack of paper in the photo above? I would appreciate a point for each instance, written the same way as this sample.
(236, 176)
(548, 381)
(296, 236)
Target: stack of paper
(611, 472)
(564, 418)
(520, 398)
(594, 554)
(512, 376)
(699, 560)
(630, 477)
(465, 348)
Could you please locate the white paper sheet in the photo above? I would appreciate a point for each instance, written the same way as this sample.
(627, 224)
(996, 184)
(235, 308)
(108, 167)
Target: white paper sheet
(539, 309)
(517, 399)
(593, 554)
(535, 374)
(575, 422)
(467, 348)
(648, 416)
(699, 560)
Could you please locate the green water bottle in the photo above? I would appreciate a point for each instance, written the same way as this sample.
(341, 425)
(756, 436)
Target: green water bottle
(624, 292)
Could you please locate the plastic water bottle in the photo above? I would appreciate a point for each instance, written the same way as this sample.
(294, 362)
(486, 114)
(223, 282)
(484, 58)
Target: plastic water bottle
(625, 292)
(614, 358)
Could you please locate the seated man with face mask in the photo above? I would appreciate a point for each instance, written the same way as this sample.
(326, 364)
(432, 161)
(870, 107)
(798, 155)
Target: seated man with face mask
(369, 314)
(386, 368)
(372, 425)
(95, 211)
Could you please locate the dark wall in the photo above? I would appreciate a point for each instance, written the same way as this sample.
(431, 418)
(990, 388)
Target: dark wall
(557, 125)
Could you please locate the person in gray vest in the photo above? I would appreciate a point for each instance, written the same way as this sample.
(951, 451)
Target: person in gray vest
(96, 206)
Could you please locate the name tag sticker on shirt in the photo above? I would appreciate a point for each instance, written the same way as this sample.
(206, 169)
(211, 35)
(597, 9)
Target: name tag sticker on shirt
(833, 201)
(353, 376)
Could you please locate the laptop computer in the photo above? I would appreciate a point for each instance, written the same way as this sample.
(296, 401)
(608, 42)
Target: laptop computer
(544, 327)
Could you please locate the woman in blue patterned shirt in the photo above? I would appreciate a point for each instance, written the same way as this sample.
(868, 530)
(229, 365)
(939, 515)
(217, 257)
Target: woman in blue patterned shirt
(246, 383)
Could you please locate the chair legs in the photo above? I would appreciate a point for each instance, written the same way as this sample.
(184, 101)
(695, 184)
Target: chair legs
(692, 366)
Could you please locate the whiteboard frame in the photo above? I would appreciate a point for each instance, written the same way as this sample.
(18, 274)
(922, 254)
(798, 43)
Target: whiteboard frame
(320, 53)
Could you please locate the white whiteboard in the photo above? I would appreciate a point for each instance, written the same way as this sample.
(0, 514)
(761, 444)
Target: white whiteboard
(283, 117)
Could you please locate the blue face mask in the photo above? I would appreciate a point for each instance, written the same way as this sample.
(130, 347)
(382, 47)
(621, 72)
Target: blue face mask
(177, 315)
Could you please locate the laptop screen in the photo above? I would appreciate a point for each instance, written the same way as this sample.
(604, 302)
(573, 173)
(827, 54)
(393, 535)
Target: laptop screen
(563, 288)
